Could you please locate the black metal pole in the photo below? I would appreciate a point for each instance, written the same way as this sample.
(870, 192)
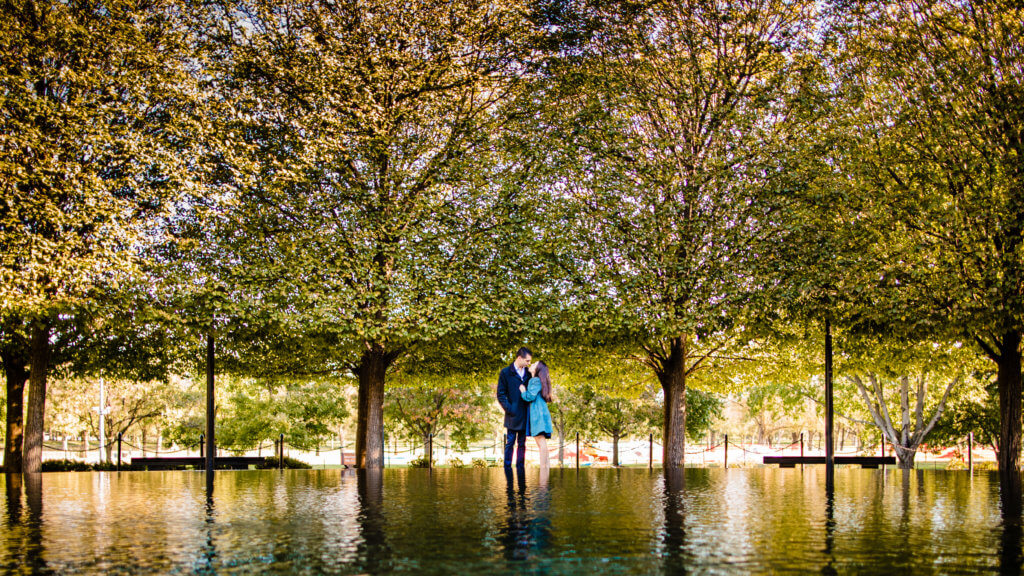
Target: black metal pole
(211, 444)
(119, 451)
(577, 450)
(650, 453)
(829, 414)
(430, 450)
(202, 444)
(801, 449)
(280, 454)
(726, 464)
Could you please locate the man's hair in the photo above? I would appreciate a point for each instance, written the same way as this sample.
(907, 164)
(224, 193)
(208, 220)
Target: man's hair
(524, 352)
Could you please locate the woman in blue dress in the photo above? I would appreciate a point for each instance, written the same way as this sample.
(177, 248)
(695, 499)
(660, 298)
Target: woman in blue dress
(538, 393)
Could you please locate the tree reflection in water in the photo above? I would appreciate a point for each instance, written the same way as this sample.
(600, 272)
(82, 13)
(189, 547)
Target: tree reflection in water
(12, 486)
(34, 534)
(13, 537)
(830, 523)
(373, 552)
(677, 558)
(207, 561)
(1010, 560)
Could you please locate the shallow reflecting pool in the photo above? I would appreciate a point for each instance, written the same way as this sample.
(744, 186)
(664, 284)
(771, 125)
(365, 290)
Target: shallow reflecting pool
(483, 521)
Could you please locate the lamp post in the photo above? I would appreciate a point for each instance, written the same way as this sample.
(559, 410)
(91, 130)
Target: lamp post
(211, 445)
(829, 453)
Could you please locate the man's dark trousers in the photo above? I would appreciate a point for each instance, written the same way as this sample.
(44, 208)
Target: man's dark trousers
(515, 438)
(516, 413)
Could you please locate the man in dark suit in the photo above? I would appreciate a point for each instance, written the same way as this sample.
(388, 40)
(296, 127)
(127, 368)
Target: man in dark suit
(516, 409)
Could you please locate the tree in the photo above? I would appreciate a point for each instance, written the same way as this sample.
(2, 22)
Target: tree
(359, 131)
(621, 417)
(668, 136)
(425, 407)
(934, 102)
(129, 405)
(306, 411)
(90, 110)
(972, 409)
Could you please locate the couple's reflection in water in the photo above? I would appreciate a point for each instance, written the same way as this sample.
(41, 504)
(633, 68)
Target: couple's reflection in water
(526, 532)
(24, 535)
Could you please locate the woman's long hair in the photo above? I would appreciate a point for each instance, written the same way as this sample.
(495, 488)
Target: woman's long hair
(545, 380)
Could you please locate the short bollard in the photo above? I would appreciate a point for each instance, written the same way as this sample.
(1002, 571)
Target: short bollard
(202, 443)
(726, 464)
(430, 451)
(970, 452)
(650, 452)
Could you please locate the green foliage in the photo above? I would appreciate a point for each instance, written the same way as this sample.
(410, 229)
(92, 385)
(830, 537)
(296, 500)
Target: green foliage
(307, 412)
(421, 462)
(359, 211)
(93, 104)
(484, 463)
(703, 410)
(290, 463)
(460, 404)
(974, 408)
(76, 466)
(455, 463)
(66, 466)
(131, 404)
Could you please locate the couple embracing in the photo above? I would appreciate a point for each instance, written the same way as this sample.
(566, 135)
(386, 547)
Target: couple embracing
(524, 392)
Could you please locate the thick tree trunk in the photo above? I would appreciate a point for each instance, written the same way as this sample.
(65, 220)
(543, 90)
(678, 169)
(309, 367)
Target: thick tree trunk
(16, 368)
(370, 424)
(40, 361)
(1009, 378)
(615, 450)
(905, 457)
(673, 382)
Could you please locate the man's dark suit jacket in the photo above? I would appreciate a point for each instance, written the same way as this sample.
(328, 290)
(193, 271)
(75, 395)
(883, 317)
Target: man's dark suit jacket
(516, 410)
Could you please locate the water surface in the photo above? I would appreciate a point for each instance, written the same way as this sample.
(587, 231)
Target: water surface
(626, 521)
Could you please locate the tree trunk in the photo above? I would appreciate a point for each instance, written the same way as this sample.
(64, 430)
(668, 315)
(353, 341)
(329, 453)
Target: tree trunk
(673, 382)
(372, 369)
(615, 450)
(40, 360)
(16, 367)
(905, 457)
(111, 445)
(1009, 378)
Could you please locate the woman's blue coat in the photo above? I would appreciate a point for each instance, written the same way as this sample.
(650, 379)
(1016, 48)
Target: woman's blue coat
(540, 416)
